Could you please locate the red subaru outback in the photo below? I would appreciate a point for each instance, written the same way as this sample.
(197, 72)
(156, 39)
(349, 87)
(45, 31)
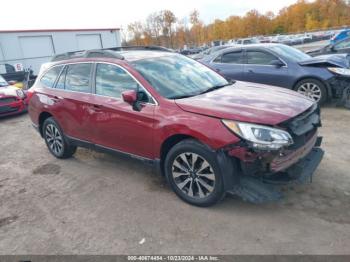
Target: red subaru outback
(207, 135)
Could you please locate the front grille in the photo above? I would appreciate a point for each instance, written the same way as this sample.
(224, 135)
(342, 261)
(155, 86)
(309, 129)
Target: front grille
(7, 100)
(303, 127)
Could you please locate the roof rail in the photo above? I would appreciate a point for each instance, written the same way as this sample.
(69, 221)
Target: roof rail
(87, 53)
(106, 52)
(140, 47)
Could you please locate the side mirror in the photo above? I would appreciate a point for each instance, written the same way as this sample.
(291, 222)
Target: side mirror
(133, 98)
(277, 63)
(129, 96)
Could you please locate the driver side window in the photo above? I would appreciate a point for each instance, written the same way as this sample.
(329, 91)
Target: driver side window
(112, 80)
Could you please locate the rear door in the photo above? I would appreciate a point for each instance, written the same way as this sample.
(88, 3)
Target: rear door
(258, 68)
(230, 64)
(74, 93)
(116, 124)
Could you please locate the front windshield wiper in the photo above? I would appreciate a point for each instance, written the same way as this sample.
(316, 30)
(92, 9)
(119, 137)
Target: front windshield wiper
(216, 87)
(182, 96)
(203, 92)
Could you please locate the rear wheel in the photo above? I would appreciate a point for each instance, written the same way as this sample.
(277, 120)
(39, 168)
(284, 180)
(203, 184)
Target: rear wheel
(193, 173)
(312, 88)
(55, 140)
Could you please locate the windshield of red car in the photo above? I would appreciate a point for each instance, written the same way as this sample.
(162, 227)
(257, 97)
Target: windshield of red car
(176, 76)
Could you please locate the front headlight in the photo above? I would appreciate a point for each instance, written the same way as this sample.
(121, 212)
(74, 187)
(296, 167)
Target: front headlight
(261, 137)
(340, 71)
(20, 93)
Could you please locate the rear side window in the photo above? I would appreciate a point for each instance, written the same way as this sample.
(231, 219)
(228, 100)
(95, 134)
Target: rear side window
(50, 76)
(78, 78)
(260, 58)
(111, 81)
(232, 58)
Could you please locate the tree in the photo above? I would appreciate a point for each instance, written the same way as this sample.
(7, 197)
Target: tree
(163, 28)
(167, 20)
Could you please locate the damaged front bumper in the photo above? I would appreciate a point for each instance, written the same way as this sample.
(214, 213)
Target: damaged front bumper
(262, 172)
(267, 188)
(261, 180)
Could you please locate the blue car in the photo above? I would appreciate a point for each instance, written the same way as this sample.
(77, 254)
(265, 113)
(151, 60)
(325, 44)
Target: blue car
(319, 78)
(340, 36)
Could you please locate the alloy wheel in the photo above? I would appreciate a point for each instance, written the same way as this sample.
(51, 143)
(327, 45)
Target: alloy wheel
(54, 139)
(310, 90)
(193, 175)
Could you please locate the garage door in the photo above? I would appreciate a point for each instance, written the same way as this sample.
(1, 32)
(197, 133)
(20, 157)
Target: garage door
(89, 41)
(36, 46)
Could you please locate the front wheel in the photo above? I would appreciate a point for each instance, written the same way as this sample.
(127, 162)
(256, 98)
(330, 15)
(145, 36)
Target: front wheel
(312, 88)
(193, 173)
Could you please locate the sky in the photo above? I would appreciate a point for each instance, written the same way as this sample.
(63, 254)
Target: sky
(65, 14)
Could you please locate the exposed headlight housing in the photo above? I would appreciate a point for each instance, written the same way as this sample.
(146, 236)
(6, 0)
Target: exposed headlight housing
(340, 71)
(260, 137)
(20, 93)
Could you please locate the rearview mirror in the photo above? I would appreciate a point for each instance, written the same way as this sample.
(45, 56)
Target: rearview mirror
(277, 63)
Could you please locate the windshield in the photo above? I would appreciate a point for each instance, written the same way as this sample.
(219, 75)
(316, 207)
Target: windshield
(3, 82)
(290, 53)
(176, 76)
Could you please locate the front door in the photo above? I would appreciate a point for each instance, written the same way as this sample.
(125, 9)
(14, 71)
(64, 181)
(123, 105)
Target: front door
(116, 124)
(258, 69)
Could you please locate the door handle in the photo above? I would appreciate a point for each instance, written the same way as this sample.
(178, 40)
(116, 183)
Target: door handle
(96, 108)
(56, 99)
(250, 71)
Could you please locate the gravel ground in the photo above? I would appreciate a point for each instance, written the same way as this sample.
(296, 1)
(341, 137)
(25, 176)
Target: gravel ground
(95, 203)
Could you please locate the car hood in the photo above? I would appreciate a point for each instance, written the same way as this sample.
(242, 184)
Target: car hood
(248, 102)
(8, 91)
(339, 60)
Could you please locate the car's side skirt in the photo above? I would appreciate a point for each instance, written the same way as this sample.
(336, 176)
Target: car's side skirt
(103, 149)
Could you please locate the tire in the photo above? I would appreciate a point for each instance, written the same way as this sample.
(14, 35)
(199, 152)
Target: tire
(312, 88)
(56, 141)
(201, 189)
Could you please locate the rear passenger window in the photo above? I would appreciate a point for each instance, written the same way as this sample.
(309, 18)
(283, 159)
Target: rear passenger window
(50, 76)
(232, 58)
(78, 78)
(112, 81)
(260, 58)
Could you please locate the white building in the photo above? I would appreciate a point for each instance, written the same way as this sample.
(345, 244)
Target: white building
(31, 48)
